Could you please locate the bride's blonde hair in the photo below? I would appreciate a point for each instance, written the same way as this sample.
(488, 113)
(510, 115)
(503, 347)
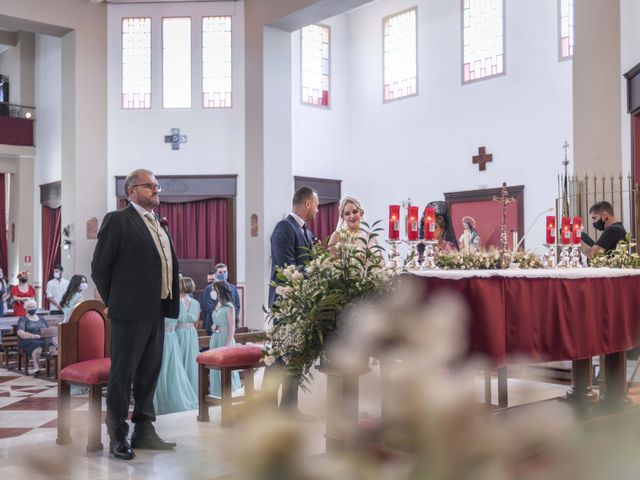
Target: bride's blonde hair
(343, 204)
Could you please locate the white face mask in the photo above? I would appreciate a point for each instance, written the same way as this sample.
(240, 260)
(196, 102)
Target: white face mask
(83, 286)
(56, 275)
(214, 294)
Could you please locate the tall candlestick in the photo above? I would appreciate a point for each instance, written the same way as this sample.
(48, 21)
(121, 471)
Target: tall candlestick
(551, 230)
(566, 231)
(394, 222)
(576, 230)
(429, 223)
(412, 223)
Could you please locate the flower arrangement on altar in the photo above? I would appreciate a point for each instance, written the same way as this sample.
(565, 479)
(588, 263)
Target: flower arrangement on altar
(490, 259)
(620, 257)
(310, 301)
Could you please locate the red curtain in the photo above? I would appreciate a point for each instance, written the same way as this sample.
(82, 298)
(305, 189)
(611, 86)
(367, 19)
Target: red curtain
(3, 227)
(199, 229)
(51, 255)
(325, 222)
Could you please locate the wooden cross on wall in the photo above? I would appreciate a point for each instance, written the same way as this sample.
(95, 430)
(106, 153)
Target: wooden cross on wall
(482, 158)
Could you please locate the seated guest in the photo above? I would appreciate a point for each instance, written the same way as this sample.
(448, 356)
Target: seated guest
(73, 295)
(186, 331)
(56, 288)
(29, 330)
(444, 233)
(174, 392)
(612, 230)
(224, 324)
(21, 293)
(351, 212)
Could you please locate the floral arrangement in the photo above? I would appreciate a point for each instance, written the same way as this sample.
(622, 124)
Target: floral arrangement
(310, 301)
(527, 259)
(620, 257)
(490, 259)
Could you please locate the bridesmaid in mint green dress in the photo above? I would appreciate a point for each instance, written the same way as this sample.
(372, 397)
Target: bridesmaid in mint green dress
(224, 327)
(174, 392)
(186, 330)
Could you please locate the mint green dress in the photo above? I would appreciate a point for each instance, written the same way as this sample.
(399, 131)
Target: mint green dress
(218, 339)
(188, 340)
(174, 392)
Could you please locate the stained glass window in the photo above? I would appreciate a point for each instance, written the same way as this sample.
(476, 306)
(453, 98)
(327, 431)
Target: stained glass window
(483, 38)
(216, 62)
(400, 55)
(315, 64)
(176, 62)
(566, 28)
(136, 63)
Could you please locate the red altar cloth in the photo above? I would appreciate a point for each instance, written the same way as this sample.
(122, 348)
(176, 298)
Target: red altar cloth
(546, 318)
(16, 131)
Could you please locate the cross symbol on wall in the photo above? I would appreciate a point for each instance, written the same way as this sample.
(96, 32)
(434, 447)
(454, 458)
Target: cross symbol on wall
(482, 158)
(175, 139)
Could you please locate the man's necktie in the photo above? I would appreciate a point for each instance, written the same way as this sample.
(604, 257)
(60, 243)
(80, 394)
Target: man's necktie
(305, 231)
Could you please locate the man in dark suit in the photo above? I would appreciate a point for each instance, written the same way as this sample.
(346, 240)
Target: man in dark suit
(208, 302)
(135, 270)
(291, 242)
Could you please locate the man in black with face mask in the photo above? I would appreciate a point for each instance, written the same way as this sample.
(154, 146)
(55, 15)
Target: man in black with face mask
(612, 231)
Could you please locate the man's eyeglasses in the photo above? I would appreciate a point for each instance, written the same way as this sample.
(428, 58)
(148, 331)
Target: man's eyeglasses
(149, 186)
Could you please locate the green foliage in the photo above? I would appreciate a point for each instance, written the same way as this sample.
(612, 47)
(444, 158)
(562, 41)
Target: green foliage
(620, 257)
(490, 259)
(309, 302)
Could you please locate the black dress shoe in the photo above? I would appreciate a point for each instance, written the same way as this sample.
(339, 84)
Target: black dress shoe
(121, 449)
(150, 440)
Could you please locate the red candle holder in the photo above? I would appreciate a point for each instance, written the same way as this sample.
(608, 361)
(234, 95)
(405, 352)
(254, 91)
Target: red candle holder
(565, 239)
(576, 230)
(394, 222)
(412, 224)
(551, 230)
(429, 223)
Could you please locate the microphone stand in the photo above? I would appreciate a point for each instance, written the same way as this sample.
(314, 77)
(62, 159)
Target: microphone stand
(548, 210)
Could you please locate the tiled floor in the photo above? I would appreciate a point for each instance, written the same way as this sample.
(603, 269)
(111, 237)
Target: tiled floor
(28, 433)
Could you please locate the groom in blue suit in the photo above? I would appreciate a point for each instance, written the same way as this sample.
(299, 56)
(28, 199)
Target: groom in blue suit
(291, 242)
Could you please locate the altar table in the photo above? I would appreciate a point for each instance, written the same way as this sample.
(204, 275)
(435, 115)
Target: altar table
(548, 314)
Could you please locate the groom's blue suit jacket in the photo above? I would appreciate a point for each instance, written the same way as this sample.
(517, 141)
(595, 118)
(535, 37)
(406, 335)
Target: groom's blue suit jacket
(288, 247)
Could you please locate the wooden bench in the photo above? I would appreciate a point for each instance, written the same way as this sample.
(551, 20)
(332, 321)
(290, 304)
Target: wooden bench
(245, 358)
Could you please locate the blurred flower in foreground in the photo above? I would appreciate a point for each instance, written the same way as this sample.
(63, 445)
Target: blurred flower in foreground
(431, 425)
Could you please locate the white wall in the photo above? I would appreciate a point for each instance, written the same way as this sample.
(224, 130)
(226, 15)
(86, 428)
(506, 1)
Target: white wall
(10, 67)
(215, 137)
(421, 147)
(48, 127)
(320, 134)
(629, 58)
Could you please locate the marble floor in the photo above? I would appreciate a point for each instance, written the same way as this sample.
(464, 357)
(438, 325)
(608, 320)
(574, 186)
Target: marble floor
(205, 450)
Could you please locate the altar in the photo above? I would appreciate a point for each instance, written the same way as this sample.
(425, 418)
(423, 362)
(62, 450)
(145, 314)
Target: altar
(547, 315)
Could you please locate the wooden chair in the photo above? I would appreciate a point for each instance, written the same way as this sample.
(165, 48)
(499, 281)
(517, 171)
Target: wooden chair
(83, 359)
(9, 348)
(246, 358)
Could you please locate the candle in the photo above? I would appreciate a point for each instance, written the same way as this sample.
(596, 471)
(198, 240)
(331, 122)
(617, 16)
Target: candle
(394, 222)
(429, 223)
(566, 231)
(576, 229)
(551, 230)
(514, 240)
(412, 224)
